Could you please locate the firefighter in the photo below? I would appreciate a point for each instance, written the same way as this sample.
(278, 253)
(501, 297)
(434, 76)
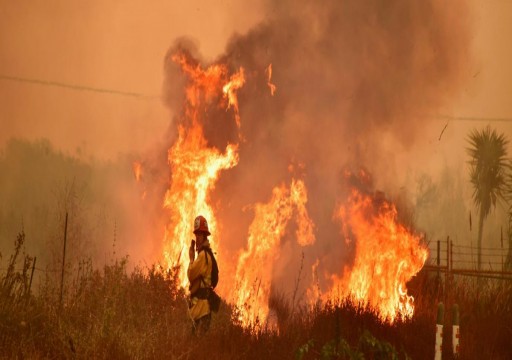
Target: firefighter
(199, 275)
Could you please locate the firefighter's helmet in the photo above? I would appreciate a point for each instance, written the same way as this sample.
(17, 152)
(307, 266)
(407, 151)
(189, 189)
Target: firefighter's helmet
(200, 225)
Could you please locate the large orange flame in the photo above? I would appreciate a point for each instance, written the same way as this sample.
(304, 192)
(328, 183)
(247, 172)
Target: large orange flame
(195, 166)
(387, 256)
(254, 270)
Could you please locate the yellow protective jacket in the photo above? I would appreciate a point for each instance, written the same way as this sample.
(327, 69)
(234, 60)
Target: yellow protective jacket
(200, 276)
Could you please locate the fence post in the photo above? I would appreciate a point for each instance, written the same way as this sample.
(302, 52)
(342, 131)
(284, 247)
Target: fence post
(63, 260)
(438, 256)
(438, 262)
(31, 277)
(451, 256)
(439, 331)
(448, 268)
(456, 331)
(448, 262)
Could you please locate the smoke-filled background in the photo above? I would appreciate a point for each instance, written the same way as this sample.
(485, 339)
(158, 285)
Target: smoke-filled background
(393, 87)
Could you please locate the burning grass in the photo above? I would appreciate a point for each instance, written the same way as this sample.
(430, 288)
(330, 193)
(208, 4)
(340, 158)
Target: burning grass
(113, 313)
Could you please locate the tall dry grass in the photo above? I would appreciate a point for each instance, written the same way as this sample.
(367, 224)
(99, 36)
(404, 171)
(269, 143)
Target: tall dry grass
(111, 313)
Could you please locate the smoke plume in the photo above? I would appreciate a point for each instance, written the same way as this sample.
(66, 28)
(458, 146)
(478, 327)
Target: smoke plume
(356, 82)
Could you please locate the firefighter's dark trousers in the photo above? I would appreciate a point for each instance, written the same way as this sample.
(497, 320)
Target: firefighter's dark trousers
(201, 325)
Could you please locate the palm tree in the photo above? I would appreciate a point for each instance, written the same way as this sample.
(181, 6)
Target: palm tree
(489, 165)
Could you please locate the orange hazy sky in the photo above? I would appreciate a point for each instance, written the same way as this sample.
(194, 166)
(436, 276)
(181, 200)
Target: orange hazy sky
(115, 45)
(120, 45)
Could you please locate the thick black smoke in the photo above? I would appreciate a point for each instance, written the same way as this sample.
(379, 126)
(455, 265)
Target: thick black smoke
(356, 82)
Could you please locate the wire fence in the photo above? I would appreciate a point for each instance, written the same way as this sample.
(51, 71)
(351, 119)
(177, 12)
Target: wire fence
(446, 256)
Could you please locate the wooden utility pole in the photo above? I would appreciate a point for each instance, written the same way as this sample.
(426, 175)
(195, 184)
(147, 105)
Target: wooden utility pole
(31, 277)
(63, 259)
(447, 278)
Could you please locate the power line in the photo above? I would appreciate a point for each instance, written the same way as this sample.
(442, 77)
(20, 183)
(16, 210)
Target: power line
(76, 87)
(145, 96)
(471, 118)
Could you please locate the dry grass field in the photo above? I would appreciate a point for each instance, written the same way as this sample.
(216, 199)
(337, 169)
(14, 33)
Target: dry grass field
(111, 313)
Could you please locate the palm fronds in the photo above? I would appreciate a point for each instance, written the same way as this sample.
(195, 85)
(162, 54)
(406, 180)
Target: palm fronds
(489, 165)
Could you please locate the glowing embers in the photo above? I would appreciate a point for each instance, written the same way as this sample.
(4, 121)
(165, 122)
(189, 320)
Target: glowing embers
(271, 86)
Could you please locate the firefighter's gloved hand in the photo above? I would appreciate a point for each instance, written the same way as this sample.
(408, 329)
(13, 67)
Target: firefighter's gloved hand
(192, 251)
